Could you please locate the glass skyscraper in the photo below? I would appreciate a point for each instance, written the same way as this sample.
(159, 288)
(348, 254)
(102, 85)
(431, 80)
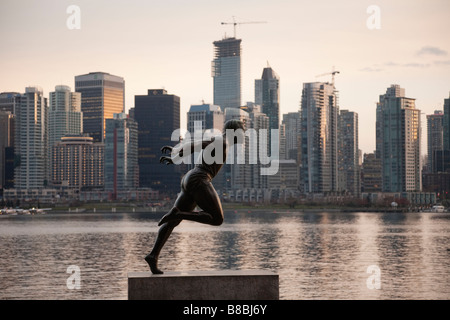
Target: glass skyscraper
(226, 72)
(267, 95)
(102, 95)
(157, 115)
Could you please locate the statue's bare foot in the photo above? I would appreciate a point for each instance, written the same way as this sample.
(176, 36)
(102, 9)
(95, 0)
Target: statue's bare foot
(171, 215)
(153, 264)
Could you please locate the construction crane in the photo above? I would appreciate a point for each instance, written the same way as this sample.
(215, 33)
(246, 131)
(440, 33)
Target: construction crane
(333, 72)
(234, 23)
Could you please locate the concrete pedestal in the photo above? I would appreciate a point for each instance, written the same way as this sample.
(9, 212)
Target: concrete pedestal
(204, 285)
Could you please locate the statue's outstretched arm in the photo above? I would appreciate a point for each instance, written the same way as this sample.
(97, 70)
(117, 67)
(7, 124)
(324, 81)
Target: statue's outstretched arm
(174, 154)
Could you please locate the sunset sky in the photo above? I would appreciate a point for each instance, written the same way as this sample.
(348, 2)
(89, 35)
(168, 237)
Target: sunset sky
(168, 44)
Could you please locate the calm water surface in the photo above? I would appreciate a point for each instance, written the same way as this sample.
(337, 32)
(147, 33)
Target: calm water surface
(317, 255)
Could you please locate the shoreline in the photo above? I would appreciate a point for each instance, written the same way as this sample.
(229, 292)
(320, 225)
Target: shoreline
(268, 209)
(100, 208)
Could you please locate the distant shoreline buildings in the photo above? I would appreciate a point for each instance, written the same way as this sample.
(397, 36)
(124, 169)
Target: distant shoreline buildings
(82, 145)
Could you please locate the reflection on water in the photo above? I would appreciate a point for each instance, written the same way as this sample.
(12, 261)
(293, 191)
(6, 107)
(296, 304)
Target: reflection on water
(317, 255)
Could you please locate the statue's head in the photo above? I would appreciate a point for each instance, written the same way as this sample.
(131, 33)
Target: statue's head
(234, 124)
(234, 129)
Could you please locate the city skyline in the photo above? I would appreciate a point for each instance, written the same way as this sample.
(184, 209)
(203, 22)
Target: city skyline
(170, 45)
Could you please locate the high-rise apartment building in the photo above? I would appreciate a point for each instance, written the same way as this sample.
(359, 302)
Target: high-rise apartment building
(435, 137)
(78, 163)
(392, 91)
(102, 95)
(226, 73)
(267, 95)
(398, 141)
(121, 154)
(31, 140)
(158, 116)
(348, 153)
(319, 117)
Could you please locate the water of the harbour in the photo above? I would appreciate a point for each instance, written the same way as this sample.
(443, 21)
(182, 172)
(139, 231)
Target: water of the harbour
(318, 255)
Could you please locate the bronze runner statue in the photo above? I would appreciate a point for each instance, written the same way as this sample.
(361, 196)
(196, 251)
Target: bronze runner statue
(196, 190)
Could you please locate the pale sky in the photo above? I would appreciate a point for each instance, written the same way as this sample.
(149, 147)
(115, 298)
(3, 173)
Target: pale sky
(168, 44)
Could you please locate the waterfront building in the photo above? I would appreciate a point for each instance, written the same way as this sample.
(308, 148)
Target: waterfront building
(78, 163)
